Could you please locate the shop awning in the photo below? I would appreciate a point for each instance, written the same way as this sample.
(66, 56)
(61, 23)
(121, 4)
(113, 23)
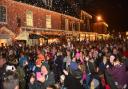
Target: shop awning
(36, 36)
(23, 36)
(5, 33)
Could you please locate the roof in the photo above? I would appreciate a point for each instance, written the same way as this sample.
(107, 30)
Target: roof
(20, 3)
(87, 14)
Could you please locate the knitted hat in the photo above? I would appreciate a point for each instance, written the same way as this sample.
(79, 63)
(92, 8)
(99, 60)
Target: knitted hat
(73, 66)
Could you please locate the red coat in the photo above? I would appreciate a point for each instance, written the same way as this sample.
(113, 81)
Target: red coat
(125, 54)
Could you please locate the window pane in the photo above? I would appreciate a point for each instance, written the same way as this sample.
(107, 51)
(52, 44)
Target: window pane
(66, 24)
(48, 21)
(2, 14)
(29, 18)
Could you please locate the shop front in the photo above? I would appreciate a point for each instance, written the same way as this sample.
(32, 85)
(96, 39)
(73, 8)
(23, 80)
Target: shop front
(6, 36)
(82, 36)
(5, 39)
(91, 36)
(103, 36)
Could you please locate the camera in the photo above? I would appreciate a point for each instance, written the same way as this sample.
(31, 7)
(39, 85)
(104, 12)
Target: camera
(10, 68)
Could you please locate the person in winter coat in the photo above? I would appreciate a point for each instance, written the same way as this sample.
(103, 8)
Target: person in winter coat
(74, 69)
(43, 79)
(40, 58)
(2, 69)
(90, 70)
(118, 72)
(71, 82)
(11, 80)
(22, 70)
(58, 66)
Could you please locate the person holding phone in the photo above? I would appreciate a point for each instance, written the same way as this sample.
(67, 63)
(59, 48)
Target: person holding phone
(42, 79)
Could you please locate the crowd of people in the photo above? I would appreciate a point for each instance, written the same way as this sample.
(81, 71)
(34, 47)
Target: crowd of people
(69, 65)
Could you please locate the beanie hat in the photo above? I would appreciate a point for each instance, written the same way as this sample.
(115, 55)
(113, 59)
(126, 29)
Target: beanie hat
(73, 65)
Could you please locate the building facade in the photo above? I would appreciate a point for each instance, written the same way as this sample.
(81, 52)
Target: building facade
(17, 17)
(101, 28)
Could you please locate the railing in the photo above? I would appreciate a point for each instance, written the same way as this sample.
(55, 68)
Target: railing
(46, 30)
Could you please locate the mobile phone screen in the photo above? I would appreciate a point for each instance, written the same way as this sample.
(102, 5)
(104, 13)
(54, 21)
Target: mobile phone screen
(9, 68)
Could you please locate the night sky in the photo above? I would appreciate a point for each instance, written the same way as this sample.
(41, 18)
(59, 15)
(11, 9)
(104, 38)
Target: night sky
(114, 12)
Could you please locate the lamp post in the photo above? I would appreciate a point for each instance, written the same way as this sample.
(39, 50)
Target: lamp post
(99, 19)
(101, 25)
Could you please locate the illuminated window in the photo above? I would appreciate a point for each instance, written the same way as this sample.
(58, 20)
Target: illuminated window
(3, 14)
(66, 24)
(78, 26)
(73, 26)
(48, 21)
(29, 18)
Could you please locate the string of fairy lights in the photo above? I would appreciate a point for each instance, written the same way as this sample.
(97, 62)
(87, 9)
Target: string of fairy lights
(61, 6)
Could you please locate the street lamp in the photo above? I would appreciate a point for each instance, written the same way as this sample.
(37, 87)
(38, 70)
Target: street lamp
(99, 24)
(99, 18)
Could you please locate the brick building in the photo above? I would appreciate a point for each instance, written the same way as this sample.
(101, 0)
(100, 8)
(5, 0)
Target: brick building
(16, 17)
(100, 27)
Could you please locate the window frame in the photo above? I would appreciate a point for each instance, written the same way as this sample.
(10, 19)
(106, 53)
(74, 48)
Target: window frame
(47, 25)
(1, 22)
(29, 18)
(66, 24)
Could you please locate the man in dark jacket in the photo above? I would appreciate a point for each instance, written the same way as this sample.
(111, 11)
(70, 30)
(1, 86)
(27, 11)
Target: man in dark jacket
(71, 82)
(90, 70)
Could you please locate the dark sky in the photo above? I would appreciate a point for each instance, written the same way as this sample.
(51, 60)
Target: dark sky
(114, 12)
